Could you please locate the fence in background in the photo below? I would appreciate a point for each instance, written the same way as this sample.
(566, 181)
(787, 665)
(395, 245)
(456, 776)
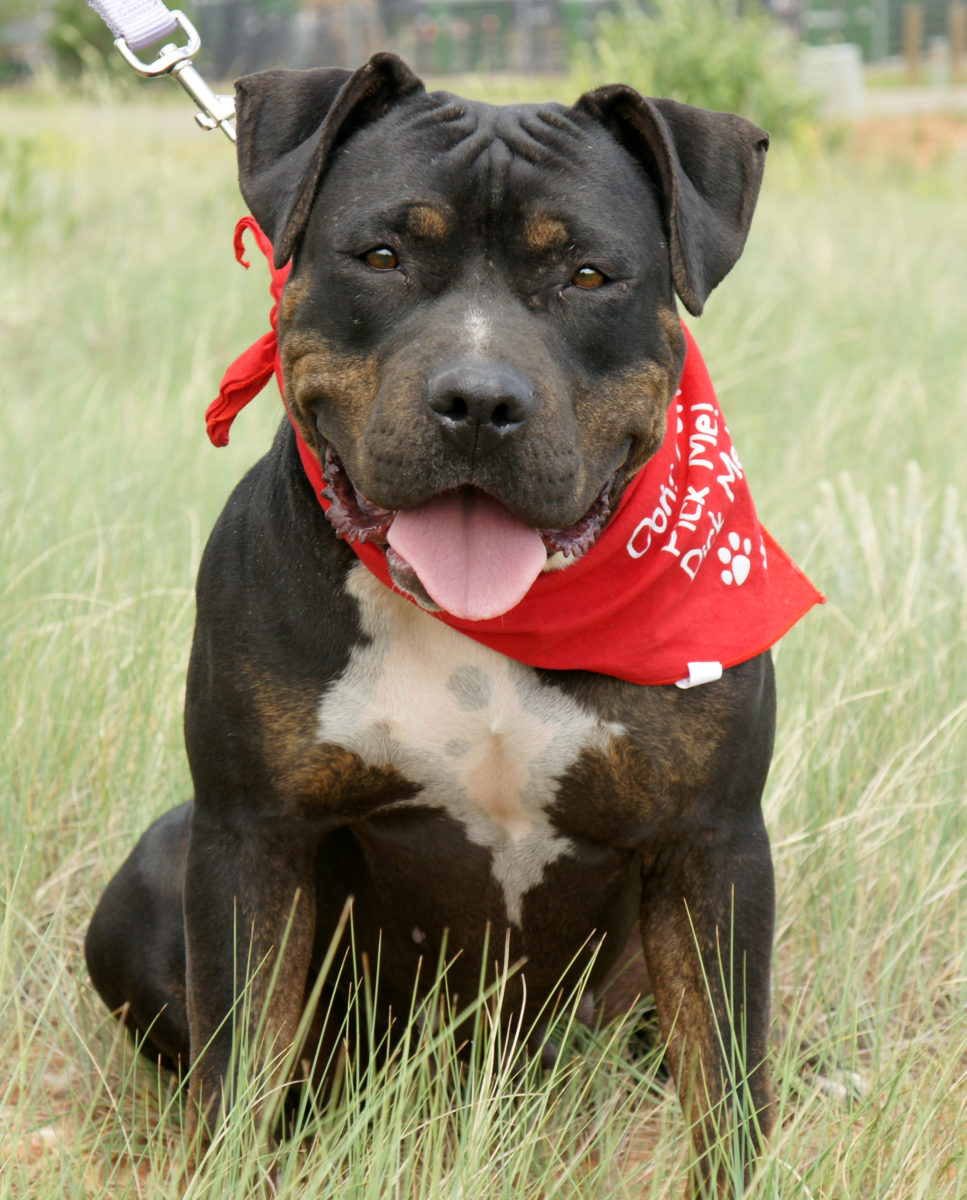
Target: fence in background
(444, 36)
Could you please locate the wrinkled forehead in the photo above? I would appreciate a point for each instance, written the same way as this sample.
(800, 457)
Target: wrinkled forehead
(544, 154)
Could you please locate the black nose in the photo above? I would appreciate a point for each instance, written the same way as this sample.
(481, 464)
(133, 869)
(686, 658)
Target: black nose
(479, 404)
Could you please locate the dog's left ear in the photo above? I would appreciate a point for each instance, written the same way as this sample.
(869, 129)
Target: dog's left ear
(288, 123)
(708, 167)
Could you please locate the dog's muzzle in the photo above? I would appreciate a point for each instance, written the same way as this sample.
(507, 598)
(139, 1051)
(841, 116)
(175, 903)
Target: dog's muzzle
(470, 555)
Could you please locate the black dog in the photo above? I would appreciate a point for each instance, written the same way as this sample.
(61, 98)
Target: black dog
(480, 317)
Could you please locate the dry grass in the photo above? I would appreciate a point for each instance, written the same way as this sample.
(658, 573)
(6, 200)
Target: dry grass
(839, 354)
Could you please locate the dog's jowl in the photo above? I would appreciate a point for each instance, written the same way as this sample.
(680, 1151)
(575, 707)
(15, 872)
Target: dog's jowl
(482, 641)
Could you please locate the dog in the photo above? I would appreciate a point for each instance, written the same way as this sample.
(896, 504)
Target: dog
(481, 356)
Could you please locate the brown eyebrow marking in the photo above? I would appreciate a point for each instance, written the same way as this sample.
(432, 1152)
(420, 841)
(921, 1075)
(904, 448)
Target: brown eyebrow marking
(543, 232)
(427, 221)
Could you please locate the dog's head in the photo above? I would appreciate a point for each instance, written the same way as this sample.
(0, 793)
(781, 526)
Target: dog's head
(479, 336)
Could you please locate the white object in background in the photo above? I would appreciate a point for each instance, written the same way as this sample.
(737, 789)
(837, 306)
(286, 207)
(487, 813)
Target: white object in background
(835, 75)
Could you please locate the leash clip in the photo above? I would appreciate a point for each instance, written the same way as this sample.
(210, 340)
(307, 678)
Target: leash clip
(217, 112)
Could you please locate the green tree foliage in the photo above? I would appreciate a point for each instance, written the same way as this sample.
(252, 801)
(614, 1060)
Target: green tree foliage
(713, 53)
(81, 42)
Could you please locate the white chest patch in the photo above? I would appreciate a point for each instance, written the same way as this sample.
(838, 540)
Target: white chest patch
(479, 733)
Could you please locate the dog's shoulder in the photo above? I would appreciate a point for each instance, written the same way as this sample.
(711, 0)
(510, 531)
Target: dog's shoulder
(269, 582)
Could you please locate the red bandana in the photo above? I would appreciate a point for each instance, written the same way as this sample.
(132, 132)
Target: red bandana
(682, 582)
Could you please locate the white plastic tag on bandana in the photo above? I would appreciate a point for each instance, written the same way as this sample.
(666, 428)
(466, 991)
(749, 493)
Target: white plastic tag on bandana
(139, 22)
(699, 673)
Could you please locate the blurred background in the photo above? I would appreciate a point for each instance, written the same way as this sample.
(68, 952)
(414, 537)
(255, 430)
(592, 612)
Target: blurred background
(838, 350)
(853, 56)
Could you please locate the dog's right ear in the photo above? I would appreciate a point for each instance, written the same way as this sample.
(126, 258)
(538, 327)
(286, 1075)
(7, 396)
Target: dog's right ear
(289, 122)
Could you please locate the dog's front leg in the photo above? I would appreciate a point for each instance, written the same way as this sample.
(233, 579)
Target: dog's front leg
(707, 922)
(249, 926)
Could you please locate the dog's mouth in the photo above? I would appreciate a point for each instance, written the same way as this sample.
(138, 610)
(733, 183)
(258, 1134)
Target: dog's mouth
(461, 551)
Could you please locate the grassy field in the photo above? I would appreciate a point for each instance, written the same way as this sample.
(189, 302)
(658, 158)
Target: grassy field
(839, 349)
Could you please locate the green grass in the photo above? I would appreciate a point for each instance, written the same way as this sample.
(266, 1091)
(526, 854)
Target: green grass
(839, 352)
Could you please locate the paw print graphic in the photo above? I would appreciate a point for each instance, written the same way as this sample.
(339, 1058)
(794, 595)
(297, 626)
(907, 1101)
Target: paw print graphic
(735, 560)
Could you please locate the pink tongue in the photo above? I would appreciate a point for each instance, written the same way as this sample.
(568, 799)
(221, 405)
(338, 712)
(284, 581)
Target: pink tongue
(473, 557)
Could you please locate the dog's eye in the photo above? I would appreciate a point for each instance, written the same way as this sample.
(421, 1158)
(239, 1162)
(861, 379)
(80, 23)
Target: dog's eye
(382, 258)
(588, 277)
